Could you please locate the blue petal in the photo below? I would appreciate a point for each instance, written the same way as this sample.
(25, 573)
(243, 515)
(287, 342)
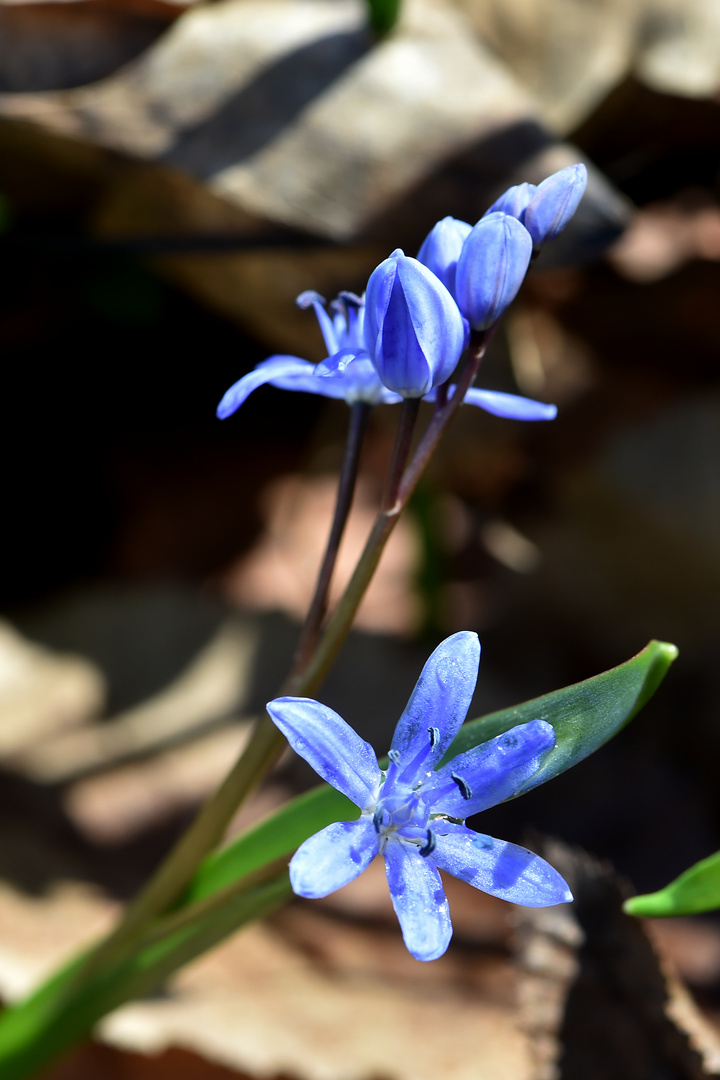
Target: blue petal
(334, 366)
(440, 700)
(441, 249)
(272, 368)
(413, 329)
(499, 868)
(510, 405)
(491, 268)
(554, 203)
(328, 328)
(493, 771)
(335, 751)
(333, 857)
(419, 900)
(513, 201)
(359, 382)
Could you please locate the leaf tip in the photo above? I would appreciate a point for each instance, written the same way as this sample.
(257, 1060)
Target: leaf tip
(666, 650)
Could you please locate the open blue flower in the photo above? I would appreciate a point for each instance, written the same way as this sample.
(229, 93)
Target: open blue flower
(413, 813)
(348, 372)
(336, 377)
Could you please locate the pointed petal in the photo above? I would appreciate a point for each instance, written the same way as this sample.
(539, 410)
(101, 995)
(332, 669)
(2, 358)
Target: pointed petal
(327, 326)
(333, 857)
(441, 698)
(359, 382)
(336, 365)
(499, 868)
(419, 900)
(493, 772)
(270, 369)
(335, 751)
(510, 405)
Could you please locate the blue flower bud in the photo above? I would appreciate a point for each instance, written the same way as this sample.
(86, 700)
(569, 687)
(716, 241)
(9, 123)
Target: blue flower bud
(491, 268)
(554, 203)
(513, 201)
(441, 249)
(414, 332)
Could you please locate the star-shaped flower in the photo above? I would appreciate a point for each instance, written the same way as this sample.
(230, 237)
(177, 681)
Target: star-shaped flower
(413, 812)
(348, 372)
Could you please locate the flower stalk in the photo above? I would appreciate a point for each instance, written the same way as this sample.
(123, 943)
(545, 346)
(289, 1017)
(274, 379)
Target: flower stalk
(359, 412)
(342, 619)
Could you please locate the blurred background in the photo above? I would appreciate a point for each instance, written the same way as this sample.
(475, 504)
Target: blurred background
(172, 175)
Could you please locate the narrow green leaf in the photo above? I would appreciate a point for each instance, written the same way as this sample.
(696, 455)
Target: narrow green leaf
(585, 715)
(276, 835)
(696, 890)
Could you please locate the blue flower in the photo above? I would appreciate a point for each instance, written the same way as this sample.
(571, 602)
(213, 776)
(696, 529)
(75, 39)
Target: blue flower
(545, 209)
(348, 372)
(440, 250)
(491, 268)
(483, 267)
(513, 201)
(413, 330)
(413, 813)
(343, 336)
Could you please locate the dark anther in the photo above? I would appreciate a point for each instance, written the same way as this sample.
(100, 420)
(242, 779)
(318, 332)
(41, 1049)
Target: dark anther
(434, 734)
(394, 756)
(464, 787)
(429, 846)
(377, 819)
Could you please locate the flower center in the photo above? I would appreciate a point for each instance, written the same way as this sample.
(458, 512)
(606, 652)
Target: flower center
(403, 808)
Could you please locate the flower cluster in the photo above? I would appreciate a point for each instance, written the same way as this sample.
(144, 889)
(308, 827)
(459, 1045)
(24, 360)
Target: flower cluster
(483, 267)
(405, 337)
(413, 813)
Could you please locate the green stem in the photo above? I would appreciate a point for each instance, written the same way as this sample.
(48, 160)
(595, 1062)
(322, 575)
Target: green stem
(403, 440)
(359, 413)
(341, 621)
(206, 831)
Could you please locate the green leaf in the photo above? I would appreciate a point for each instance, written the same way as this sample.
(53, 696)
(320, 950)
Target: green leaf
(585, 715)
(277, 835)
(696, 890)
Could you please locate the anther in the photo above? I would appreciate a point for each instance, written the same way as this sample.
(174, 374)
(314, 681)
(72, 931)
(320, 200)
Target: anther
(465, 790)
(429, 846)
